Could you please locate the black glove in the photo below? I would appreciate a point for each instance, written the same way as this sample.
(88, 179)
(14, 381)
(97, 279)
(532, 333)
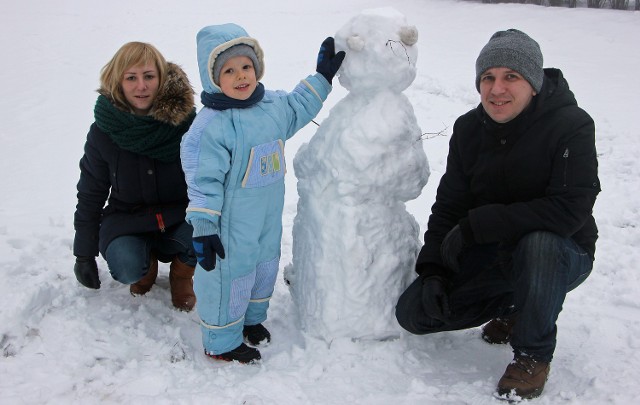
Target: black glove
(86, 271)
(504, 257)
(206, 248)
(328, 60)
(467, 232)
(455, 244)
(435, 300)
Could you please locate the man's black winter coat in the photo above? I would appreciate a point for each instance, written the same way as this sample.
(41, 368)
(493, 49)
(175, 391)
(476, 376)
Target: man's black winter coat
(536, 172)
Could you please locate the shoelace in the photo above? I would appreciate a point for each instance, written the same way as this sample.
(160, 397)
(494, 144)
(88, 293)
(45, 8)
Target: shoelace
(526, 364)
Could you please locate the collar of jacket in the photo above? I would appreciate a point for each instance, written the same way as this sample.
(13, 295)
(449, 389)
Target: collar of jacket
(515, 125)
(220, 101)
(554, 94)
(175, 102)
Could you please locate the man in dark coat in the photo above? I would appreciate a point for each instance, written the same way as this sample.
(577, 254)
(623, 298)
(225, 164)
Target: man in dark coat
(511, 230)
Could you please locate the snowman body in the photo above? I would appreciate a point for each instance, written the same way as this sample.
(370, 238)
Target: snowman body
(354, 243)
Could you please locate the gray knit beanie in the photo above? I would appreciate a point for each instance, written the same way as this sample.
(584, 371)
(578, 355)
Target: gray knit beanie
(236, 50)
(515, 50)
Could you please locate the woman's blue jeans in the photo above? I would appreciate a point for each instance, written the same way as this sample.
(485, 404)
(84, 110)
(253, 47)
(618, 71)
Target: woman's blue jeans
(129, 256)
(529, 280)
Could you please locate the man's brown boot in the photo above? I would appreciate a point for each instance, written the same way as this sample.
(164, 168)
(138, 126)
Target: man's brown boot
(498, 331)
(524, 378)
(181, 281)
(142, 286)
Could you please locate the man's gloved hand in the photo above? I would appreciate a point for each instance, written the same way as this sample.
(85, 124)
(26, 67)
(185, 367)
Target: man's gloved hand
(435, 300)
(206, 248)
(455, 245)
(504, 258)
(328, 60)
(86, 271)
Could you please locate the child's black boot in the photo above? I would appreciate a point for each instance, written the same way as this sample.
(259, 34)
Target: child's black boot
(256, 334)
(242, 354)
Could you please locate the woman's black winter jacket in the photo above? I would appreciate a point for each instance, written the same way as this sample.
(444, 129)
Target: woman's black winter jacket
(145, 194)
(536, 172)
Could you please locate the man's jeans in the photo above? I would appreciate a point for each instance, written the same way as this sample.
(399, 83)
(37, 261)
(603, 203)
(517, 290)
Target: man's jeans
(529, 280)
(129, 256)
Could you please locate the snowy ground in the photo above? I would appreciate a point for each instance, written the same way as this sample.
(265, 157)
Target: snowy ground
(62, 343)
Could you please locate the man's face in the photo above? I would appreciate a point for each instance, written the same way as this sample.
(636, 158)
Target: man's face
(504, 93)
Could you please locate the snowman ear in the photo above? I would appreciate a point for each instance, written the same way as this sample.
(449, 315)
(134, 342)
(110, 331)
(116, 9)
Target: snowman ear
(409, 35)
(355, 42)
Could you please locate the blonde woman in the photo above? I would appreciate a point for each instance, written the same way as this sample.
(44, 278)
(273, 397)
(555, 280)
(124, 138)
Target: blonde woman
(131, 162)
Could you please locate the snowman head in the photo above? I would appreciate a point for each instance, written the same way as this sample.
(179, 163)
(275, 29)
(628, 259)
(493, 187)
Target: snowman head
(381, 51)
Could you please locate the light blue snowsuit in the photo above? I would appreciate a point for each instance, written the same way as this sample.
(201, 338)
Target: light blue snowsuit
(234, 166)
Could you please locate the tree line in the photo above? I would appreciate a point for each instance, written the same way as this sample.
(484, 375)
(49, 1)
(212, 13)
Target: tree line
(611, 4)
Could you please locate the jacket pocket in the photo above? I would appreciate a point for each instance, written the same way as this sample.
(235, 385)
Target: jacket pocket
(113, 173)
(266, 165)
(566, 174)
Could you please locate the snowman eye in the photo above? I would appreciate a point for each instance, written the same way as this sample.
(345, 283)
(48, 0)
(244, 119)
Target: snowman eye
(355, 42)
(409, 35)
(395, 48)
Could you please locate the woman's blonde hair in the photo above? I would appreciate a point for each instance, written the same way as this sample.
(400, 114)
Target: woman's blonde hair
(130, 54)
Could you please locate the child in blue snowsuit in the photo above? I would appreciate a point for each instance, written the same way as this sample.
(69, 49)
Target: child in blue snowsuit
(233, 160)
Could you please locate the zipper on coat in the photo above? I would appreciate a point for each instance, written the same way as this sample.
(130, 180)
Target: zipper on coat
(565, 156)
(160, 222)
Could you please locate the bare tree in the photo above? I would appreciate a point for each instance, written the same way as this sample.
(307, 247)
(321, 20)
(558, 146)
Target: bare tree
(620, 4)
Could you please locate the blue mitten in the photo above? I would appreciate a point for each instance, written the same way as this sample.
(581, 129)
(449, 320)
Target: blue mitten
(328, 60)
(206, 248)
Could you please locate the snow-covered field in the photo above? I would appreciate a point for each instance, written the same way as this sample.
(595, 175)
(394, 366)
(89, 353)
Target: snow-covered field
(62, 343)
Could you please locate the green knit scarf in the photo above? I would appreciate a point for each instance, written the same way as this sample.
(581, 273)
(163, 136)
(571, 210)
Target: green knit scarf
(140, 134)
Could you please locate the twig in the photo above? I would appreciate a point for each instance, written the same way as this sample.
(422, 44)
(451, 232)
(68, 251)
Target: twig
(430, 135)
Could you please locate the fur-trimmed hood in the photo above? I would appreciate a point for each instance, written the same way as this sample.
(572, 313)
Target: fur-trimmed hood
(212, 40)
(174, 104)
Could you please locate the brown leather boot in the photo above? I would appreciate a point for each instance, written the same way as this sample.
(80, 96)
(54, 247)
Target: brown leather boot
(142, 286)
(498, 331)
(181, 281)
(524, 378)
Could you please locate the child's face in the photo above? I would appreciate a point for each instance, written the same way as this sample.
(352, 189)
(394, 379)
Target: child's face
(238, 78)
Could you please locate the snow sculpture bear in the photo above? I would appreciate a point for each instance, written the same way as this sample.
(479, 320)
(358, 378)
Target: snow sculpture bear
(354, 243)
